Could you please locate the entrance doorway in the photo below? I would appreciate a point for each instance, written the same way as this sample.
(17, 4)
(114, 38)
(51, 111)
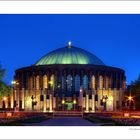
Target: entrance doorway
(69, 106)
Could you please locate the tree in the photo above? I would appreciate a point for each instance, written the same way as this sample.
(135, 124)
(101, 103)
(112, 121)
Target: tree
(2, 72)
(135, 91)
(4, 88)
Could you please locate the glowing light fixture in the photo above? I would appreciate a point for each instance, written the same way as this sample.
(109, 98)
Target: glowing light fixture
(69, 44)
(81, 90)
(74, 102)
(130, 98)
(63, 101)
(4, 98)
(13, 82)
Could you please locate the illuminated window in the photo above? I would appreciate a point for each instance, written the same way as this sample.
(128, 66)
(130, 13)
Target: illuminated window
(100, 82)
(37, 83)
(45, 82)
(51, 82)
(69, 83)
(77, 83)
(85, 82)
(93, 82)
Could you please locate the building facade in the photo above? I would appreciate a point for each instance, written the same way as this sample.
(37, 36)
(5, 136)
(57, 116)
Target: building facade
(68, 78)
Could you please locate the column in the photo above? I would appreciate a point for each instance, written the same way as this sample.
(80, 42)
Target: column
(87, 102)
(45, 105)
(11, 98)
(81, 98)
(114, 98)
(6, 104)
(93, 103)
(17, 97)
(51, 103)
(48, 100)
(54, 103)
(23, 98)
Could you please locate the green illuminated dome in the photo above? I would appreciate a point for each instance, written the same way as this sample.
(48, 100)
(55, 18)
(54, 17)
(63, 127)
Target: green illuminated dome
(69, 55)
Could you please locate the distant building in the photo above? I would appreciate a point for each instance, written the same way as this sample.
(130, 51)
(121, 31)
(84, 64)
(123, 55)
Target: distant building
(68, 78)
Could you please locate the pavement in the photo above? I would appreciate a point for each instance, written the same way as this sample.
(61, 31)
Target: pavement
(66, 121)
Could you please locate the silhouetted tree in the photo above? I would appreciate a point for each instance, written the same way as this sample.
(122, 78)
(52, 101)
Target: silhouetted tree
(2, 72)
(4, 88)
(135, 90)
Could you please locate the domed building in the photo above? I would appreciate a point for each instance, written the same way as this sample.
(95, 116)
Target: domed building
(67, 79)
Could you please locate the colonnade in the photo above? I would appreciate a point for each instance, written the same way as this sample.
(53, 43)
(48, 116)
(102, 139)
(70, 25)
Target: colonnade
(93, 89)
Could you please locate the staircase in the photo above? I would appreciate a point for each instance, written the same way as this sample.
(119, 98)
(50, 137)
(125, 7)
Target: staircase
(67, 114)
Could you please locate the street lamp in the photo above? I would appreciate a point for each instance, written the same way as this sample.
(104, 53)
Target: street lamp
(15, 84)
(130, 99)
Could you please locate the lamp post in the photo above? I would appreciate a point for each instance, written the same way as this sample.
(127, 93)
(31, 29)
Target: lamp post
(15, 85)
(130, 99)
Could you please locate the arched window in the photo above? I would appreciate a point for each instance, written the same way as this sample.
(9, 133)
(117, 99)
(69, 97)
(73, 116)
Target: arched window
(60, 82)
(100, 82)
(63, 82)
(69, 83)
(93, 82)
(37, 83)
(85, 82)
(77, 83)
(52, 82)
(45, 82)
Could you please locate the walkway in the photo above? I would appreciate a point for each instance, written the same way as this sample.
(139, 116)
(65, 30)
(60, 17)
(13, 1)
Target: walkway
(67, 121)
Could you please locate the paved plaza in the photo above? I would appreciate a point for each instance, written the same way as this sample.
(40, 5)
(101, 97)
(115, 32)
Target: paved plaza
(66, 121)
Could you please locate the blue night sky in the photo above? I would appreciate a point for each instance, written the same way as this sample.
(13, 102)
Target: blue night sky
(115, 39)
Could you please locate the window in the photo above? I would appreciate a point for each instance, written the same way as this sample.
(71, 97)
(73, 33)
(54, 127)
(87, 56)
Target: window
(93, 82)
(45, 82)
(85, 82)
(69, 83)
(77, 83)
(52, 82)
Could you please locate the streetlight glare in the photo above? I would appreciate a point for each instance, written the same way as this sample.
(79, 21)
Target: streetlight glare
(130, 98)
(63, 101)
(4, 98)
(13, 82)
(74, 101)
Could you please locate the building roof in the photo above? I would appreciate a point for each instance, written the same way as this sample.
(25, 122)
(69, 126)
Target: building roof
(69, 55)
